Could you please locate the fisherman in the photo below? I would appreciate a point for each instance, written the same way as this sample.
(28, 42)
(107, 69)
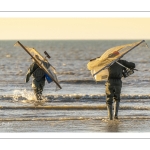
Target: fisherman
(114, 85)
(38, 82)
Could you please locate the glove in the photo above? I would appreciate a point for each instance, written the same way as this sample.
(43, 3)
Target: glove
(27, 79)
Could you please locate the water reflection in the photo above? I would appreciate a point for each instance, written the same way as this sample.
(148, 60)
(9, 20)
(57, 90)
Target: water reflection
(112, 126)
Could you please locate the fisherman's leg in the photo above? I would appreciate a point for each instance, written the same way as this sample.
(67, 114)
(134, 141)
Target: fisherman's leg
(35, 87)
(109, 100)
(40, 89)
(117, 101)
(39, 93)
(35, 92)
(116, 109)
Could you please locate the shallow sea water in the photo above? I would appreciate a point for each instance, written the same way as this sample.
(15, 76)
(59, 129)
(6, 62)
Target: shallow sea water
(78, 89)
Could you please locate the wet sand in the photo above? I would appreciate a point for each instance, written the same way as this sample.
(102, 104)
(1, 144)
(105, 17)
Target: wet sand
(63, 125)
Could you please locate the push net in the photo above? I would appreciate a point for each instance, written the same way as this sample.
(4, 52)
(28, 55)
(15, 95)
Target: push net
(42, 62)
(99, 66)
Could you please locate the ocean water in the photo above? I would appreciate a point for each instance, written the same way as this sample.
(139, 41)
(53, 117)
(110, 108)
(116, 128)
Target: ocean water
(70, 58)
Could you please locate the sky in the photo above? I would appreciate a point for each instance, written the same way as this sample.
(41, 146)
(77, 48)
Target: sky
(74, 28)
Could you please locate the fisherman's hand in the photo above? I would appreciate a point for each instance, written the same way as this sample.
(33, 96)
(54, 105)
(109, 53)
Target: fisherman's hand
(27, 79)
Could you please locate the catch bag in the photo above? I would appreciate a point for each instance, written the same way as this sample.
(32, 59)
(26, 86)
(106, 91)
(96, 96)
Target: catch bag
(49, 80)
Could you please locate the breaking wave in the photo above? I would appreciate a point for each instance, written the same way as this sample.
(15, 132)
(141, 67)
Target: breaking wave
(25, 94)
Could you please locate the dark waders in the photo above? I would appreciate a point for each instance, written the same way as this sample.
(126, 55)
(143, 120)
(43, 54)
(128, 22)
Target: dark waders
(38, 87)
(113, 91)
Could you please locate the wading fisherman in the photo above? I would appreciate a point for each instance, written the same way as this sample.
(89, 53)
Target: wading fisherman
(38, 81)
(114, 85)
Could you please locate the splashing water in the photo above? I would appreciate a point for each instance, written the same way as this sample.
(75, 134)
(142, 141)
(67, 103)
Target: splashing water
(23, 93)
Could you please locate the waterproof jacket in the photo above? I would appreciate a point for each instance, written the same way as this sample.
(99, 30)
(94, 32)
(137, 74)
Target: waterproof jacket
(37, 73)
(115, 70)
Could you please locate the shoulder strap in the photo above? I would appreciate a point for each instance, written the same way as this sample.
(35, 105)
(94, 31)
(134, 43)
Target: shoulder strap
(121, 65)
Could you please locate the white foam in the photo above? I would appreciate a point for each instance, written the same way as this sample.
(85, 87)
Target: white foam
(29, 95)
(23, 93)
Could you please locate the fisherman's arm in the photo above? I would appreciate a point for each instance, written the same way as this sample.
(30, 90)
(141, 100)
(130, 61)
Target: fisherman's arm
(27, 76)
(130, 65)
(29, 73)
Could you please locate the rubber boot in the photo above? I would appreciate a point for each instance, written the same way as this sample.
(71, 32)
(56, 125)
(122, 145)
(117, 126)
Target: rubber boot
(37, 96)
(40, 97)
(116, 108)
(110, 114)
